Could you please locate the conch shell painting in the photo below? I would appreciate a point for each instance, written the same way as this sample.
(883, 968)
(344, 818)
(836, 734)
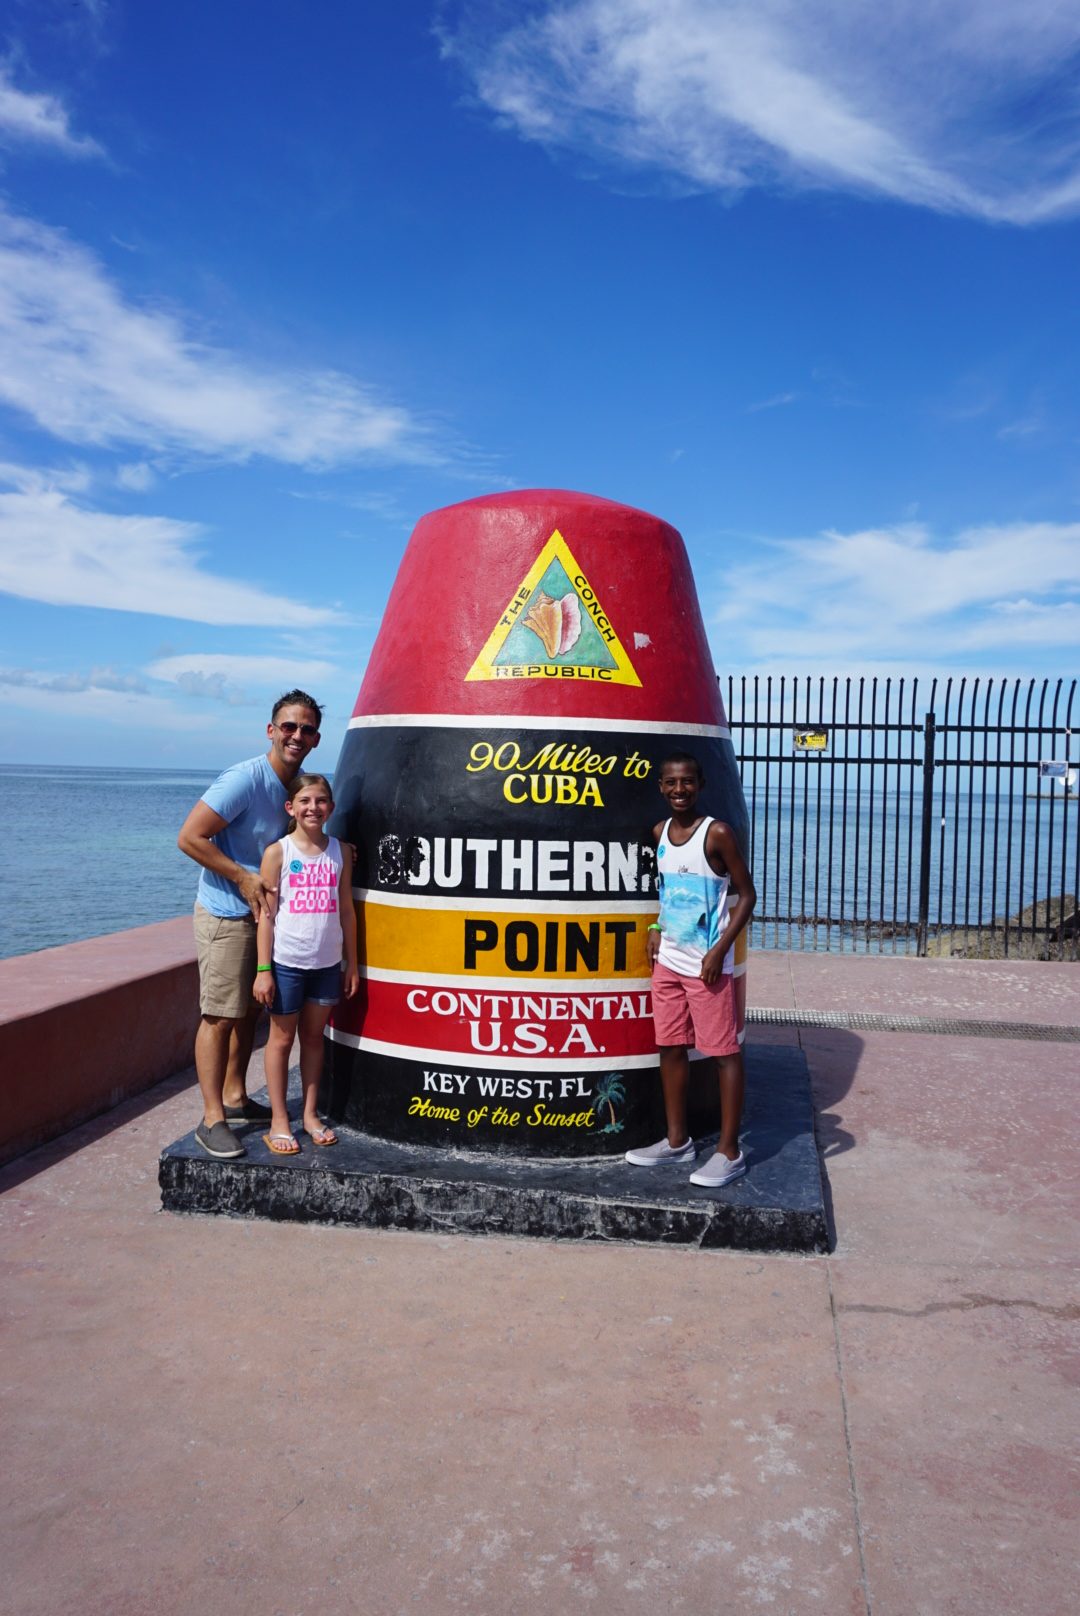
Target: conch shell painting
(556, 622)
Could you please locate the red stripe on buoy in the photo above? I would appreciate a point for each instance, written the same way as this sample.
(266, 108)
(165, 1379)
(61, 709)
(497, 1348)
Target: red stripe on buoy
(465, 569)
(549, 1021)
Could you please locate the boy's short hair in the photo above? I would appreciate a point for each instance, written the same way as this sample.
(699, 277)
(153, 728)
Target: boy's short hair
(297, 698)
(681, 757)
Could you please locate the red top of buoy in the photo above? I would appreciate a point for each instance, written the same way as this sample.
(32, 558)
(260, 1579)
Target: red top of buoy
(543, 603)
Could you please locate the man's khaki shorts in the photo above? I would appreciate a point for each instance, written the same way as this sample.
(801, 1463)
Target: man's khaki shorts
(228, 954)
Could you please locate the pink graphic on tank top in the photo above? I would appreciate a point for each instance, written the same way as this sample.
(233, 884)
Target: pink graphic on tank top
(307, 928)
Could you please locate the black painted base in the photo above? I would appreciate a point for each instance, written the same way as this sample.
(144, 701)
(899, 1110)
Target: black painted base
(776, 1206)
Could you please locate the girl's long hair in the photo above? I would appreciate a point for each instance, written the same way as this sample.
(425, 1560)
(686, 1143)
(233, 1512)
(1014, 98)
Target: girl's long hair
(298, 785)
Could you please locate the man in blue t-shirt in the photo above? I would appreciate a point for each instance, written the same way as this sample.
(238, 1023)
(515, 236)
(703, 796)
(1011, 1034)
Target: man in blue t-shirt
(227, 832)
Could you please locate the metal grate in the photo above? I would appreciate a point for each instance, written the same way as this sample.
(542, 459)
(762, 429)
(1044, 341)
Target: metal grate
(886, 818)
(954, 1026)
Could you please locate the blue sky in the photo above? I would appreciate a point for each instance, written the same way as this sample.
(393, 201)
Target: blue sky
(276, 280)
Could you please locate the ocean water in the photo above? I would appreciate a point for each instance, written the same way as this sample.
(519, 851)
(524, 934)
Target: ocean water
(105, 858)
(845, 876)
(104, 854)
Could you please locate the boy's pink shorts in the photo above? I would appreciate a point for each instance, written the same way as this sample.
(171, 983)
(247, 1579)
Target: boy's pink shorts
(688, 1011)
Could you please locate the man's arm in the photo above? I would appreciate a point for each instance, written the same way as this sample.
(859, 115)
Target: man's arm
(720, 844)
(194, 840)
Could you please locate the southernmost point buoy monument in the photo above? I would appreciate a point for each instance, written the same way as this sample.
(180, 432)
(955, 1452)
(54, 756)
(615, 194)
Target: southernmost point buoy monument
(541, 654)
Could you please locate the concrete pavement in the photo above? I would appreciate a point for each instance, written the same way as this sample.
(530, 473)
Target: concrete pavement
(204, 1415)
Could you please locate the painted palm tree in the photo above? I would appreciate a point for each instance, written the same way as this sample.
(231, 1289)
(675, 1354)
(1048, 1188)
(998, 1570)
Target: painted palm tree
(610, 1091)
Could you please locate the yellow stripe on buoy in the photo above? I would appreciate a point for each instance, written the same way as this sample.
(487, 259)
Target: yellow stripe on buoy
(505, 943)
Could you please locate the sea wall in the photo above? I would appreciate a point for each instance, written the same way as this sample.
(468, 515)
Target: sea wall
(86, 1025)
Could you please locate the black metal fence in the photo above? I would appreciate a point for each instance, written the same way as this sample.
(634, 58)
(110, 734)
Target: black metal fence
(885, 820)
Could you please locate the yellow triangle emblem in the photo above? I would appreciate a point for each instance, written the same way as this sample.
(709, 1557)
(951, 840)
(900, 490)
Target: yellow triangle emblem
(554, 627)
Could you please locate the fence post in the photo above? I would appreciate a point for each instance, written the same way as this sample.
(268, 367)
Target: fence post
(929, 731)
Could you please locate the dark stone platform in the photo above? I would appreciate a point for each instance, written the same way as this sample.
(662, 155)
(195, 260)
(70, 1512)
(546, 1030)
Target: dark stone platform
(776, 1206)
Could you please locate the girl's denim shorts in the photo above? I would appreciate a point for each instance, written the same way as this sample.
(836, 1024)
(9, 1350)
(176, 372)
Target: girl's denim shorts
(294, 988)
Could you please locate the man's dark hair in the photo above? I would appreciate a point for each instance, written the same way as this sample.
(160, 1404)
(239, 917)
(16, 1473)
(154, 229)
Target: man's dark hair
(297, 698)
(680, 757)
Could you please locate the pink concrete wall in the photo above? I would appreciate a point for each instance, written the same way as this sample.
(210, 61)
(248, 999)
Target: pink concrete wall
(86, 1025)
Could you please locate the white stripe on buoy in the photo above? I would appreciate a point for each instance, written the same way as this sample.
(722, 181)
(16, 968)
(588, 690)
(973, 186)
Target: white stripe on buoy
(558, 987)
(614, 905)
(528, 1063)
(561, 721)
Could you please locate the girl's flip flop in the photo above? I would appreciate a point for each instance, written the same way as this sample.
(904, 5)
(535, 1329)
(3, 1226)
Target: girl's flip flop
(282, 1144)
(322, 1136)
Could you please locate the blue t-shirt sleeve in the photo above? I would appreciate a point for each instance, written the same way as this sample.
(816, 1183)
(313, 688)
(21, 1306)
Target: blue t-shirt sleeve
(231, 792)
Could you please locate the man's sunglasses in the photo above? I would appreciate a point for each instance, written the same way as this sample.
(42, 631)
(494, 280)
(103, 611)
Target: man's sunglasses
(289, 727)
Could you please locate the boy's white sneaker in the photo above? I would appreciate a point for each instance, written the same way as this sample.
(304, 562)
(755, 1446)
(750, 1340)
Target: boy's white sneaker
(719, 1170)
(661, 1154)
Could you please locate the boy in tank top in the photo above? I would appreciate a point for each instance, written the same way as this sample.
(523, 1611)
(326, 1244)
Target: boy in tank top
(706, 898)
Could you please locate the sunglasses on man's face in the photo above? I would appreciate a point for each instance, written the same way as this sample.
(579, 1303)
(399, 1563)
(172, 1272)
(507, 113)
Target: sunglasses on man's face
(289, 727)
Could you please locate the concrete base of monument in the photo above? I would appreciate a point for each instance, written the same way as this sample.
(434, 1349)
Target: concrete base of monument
(777, 1206)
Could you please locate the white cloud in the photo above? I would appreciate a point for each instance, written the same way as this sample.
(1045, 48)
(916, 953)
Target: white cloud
(93, 368)
(71, 683)
(72, 479)
(1025, 428)
(62, 553)
(212, 687)
(136, 477)
(1026, 622)
(221, 676)
(115, 696)
(963, 106)
(778, 401)
(901, 596)
(265, 670)
(378, 503)
(97, 704)
(39, 120)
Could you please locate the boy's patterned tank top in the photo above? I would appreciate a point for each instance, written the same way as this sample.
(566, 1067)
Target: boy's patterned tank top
(693, 903)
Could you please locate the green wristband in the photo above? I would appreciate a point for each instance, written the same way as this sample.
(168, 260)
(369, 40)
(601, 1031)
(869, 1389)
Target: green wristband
(263, 968)
(655, 927)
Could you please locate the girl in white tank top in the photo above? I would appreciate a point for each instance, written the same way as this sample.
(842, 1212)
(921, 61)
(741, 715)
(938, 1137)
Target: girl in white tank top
(307, 926)
(301, 944)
